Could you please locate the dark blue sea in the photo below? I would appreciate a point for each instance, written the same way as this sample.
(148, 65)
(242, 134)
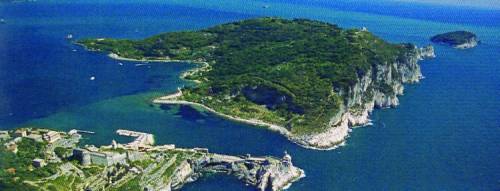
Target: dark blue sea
(445, 135)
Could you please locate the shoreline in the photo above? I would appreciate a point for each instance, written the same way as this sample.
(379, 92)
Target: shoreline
(168, 100)
(116, 57)
(301, 140)
(204, 65)
(332, 138)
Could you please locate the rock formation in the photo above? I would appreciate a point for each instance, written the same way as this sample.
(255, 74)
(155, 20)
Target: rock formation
(378, 88)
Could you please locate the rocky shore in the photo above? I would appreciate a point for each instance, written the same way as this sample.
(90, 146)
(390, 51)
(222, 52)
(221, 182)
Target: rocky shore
(362, 99)
(138, 165)
(469, 44)
(264, 173)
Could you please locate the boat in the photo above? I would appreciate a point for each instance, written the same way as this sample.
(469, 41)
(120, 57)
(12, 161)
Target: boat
(70, 36)
(92, 78)
(2, 21)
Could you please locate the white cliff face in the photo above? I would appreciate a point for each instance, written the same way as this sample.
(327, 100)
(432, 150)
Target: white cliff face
(181, 175)
(378, 88)
(264, 173)
(471, 43)
(426, 52)
(281, 176)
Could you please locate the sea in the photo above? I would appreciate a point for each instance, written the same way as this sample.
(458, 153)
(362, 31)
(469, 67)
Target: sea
(445, 135)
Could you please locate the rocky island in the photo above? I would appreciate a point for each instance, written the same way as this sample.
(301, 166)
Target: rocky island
(42, 159)
(308, 80)
(457, 39)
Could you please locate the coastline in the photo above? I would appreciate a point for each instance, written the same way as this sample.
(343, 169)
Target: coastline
(170, 99)
(329, 139)
(116, 57)
(184, 74)
(335, 136)
(149, 166)
(467, 45)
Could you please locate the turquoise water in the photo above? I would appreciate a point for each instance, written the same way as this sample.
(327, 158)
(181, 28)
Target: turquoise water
(445, 135)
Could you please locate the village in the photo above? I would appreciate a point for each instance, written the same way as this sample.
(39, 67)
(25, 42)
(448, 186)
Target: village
(137, 164)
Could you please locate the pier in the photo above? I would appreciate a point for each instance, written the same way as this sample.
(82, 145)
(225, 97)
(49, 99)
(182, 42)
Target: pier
(76, 131)
(142, 140)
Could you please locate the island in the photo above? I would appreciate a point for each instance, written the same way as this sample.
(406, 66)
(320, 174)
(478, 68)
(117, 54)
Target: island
(309, 80)
(43, 159)
(457, 39)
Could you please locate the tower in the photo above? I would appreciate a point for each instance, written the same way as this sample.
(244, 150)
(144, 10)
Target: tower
(114, 145)
(287, 159)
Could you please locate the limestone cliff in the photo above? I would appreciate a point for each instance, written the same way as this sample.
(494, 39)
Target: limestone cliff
(378, 88)
(264, 173)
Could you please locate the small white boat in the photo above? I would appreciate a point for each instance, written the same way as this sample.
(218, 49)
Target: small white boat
(121, 64)
(2, 21)
(69, 36)
(92, 78)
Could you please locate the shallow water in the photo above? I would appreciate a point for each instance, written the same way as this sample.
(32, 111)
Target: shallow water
(443, 136)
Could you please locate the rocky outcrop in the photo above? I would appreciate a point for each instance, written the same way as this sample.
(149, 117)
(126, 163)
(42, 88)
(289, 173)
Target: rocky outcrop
(457, 39)
(378, 88)
(471, 43)
(264, 173)
(426, 52)
(182, 175)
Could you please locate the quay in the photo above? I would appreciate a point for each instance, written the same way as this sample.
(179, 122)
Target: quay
(142, 140)
(75, 131)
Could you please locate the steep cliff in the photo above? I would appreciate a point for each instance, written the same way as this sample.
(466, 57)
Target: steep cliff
(378, 88)
(263, 173)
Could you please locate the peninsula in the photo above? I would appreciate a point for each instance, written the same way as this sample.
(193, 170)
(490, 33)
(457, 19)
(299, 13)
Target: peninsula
(42, 159)
(457, 39)
(308, 80)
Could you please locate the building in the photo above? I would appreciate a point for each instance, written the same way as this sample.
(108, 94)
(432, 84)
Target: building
(287, 159)
(201, 150)
(51, 136)
(82, 155)
(20, 133)
(38, 163)
(135, 155)
(35, 137)
(98, 158)
(4, 135)
(11, 146)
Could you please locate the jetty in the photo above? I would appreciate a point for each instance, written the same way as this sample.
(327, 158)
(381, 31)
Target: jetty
(142, 140)
(76, 131)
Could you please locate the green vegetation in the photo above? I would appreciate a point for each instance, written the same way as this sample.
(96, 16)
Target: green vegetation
(276, 70)
(15, 168)
(62, 183)
(454, 38)
(131, 185)
(62, 152)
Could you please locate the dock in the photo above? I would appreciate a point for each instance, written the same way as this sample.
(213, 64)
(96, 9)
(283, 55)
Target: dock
(76, 131)
(142, 140)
